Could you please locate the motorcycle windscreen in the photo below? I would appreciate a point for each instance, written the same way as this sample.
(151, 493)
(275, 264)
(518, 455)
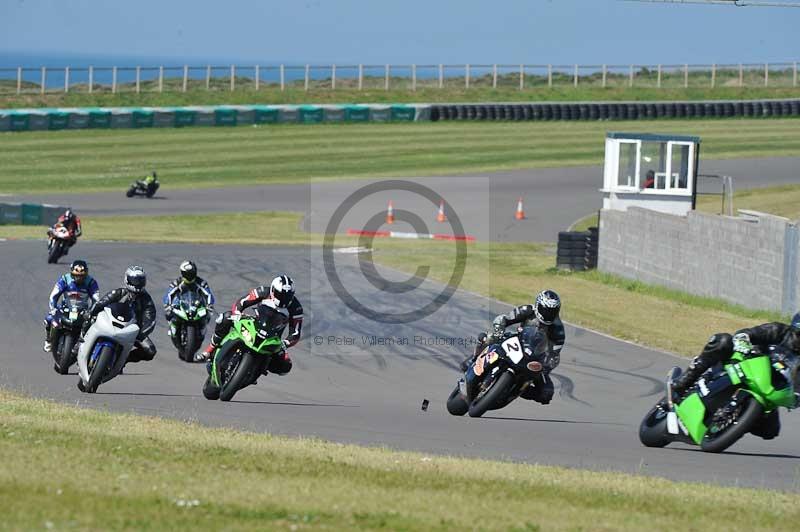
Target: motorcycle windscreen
(270, 322)
(121, 312)
(535, 340)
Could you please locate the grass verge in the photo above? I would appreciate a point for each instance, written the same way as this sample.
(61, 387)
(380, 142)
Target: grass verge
(781, 201)
(137, 474)
(509, 272)
(84, 160)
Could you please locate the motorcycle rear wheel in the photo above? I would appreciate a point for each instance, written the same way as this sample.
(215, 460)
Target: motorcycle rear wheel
(496, 391)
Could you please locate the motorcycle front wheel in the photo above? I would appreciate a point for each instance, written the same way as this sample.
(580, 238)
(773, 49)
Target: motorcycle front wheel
(739, 423)
(653, 429)
(496, 391)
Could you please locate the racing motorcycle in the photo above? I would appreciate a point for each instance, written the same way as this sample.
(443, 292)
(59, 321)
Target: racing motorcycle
(106, 346)
(726, 403)
(502, 371)
(140, 188)
(58, 244)
(187, 326)
(244, 352)
(66, 330)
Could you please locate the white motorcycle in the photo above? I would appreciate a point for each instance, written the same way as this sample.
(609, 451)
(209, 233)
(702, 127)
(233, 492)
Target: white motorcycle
(106, 346)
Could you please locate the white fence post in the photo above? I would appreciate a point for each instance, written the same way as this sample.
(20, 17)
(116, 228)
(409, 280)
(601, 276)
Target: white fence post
(306, 81)
(161, 79)
(258, 77)
(630, 76)
(91, 79)
(766, 74)
(233, 78)
(713, 75)
(208, 77)
(414, 78)
(494, 76)
(605, 75)
(66, 79)
(741, 75)
(185, 77)
(441, 75)
(466, 75)
(550, 76)
(360, 76)
(575, 78)
(794, 75)
(658, 83)
(386, 78)
(19, 80)
(686, 76)
(44, 78)
(283, 79)
(522, 77)
(138, 78)
(113, 79)
(333, 77)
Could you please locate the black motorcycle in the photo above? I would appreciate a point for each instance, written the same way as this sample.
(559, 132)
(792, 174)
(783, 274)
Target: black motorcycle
(140, 188)
(502, 372)
(66, 330)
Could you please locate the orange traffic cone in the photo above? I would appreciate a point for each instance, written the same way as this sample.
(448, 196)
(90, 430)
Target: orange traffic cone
(520, 214)
(440, 217)
(390, 213)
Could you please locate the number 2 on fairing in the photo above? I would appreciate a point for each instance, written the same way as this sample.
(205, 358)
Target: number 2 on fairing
(513, 349)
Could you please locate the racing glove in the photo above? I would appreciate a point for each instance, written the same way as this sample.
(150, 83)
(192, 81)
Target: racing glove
(742, 344)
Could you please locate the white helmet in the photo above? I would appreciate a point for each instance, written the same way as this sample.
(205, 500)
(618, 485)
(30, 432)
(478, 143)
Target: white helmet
(282, 290)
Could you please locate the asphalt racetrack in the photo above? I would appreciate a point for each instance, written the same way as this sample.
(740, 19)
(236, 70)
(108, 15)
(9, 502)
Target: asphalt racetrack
(346, 389)
(553, 199)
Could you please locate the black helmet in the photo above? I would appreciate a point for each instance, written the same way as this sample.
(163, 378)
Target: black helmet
(79, 270)
(547, 306)
(68, 215)
(135, 279)
(188, 271)
(282, 290)
(796, 321)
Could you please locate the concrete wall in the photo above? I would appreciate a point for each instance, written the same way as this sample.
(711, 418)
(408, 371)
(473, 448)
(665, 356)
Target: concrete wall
(741, 261)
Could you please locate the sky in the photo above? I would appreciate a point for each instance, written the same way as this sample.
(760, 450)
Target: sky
(398, 32)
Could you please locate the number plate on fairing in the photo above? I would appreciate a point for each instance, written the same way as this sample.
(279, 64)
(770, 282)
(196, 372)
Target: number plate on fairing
(513, 349)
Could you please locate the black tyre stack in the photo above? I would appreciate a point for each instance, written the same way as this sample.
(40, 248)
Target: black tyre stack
(577, 250)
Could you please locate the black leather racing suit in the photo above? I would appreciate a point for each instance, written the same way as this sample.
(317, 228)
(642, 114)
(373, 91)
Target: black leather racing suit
(720, 348)
(524, 316)
(145, 311)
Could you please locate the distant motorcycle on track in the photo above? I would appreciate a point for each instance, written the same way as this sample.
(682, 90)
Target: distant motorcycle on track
(60, 241)
(146, 187)
(189, 315)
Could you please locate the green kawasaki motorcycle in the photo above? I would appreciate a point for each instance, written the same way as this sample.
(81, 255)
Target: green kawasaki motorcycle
(244, 352)
(189, 316)
(725, 403)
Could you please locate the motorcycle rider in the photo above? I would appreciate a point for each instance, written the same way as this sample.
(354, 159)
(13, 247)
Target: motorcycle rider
(544, 315)
(133, 294)
(149, 181)
(77, 280)
(71, 223)
(279, 295)
(721, 346)
(188, 281)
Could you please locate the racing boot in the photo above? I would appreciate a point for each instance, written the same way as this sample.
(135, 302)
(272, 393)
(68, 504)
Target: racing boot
(686, 379)
(206, 354)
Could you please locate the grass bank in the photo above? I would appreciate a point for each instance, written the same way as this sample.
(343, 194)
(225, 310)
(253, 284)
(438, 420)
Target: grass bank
(509, 272)
(85, 160)
(138, 475)
(451, 93)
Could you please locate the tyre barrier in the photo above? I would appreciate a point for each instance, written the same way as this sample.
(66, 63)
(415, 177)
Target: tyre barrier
(618, 110)
(577, 250)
